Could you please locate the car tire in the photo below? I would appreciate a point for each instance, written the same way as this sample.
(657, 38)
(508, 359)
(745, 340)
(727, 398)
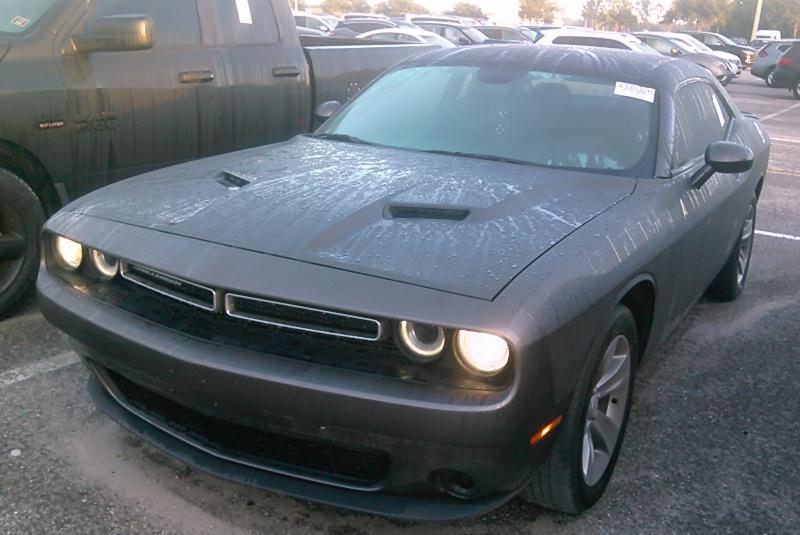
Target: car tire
(729, 282)
(769, 77)
(796, 88)
(21, 218)
(568, 481)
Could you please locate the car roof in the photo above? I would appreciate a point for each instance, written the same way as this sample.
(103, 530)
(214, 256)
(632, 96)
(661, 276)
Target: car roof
(662, 72)
(616, 36)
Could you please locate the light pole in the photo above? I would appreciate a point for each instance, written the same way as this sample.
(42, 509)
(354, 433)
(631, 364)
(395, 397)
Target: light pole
(756, 19)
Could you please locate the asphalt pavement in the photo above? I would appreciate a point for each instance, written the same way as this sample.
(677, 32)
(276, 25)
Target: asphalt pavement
(712, 445)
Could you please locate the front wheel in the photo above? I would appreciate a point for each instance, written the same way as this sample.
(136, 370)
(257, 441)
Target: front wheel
(583, 457)
(796, 88)
(21, 217)
(729, 282)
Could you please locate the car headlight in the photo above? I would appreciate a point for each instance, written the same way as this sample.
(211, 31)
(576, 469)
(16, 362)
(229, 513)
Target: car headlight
(105, 265)
(482, 353)
(420, 342)
(68, 253)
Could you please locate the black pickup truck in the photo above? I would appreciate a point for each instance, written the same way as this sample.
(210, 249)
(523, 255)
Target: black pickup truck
(96, 91)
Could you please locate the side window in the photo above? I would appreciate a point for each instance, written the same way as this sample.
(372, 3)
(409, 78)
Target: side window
(701, 118)
(300, 20)
(712, 40)
(451, 34)
(492, 33)
(661, 46)
(238, 22)
(316, 24)
(176, 22)
(783, 48)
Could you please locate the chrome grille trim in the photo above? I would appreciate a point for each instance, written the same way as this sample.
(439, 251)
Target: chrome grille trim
(126, 274)
(230, 310)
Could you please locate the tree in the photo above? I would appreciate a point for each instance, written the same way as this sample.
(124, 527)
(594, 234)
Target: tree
(465, 9)
(538, 10)
(619, 15)
(395, 8)
(783, 15)
(701, 13)
(593, 13)
(337, 7)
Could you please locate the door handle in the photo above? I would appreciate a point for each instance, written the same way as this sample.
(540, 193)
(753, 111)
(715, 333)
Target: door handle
(290, 71)
(196, 77)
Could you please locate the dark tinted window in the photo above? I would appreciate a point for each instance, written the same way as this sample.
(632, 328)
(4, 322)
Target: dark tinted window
(662, 46)
(492, 33)
(17, 16)
(363, 27)
(701, 117)
(588, 41)
(176, 22)
(794, 51)
(238, 22)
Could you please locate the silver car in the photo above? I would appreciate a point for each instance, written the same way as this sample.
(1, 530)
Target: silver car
(767, 59)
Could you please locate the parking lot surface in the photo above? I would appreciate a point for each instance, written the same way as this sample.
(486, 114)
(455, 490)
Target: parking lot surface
(711, 445)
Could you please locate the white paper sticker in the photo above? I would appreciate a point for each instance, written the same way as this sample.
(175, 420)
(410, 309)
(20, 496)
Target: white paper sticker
(22, 22)
(647, 94)
(720, 115)
(243, 7)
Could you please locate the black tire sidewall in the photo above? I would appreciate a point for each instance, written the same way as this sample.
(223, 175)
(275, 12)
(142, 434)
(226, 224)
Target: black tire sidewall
(14, 191)
(622, 322)
(740, 286)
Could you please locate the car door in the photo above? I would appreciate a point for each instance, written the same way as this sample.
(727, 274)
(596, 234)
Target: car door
(130, 112)
(701, 118)
(261, 92)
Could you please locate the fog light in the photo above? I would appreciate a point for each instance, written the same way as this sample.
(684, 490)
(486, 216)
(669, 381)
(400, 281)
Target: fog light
(482, 353)
(106, 266)
(420, 342)
(69, 254)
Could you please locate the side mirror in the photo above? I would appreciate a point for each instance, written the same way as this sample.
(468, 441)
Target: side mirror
(324, 28)
(675, 51)
(326, 109)
(724, 157)
(116, 33)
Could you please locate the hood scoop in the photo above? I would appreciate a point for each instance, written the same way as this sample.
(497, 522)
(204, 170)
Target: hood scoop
(232, 180)
(417, 211)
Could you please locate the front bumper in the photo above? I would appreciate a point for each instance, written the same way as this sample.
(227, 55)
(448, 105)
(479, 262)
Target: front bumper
(421, 431)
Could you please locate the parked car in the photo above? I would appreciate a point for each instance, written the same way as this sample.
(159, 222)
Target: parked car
(717, 41)
(508, 33)
(307, 20)
(767, 59)
(464, 21)
(437, 301)
(458, 34)
(308, 32)
(355, 27)
(699, 46)
(787, 72)
(668, 46)
(359, 16)
(93, 92)
(408, 36)
(566, 36)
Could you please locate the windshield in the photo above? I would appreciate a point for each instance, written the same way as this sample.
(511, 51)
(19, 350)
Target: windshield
(638, 46)
(725, 40)
(438, 40)
(530, 34)
(500, 113)
(17, 16)
(474, 35)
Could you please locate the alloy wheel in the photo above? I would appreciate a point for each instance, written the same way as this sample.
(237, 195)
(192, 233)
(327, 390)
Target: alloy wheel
(745, 246)
(12, 245)
(608, 402)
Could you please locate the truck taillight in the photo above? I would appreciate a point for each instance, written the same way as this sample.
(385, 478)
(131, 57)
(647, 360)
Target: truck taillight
(785, 61)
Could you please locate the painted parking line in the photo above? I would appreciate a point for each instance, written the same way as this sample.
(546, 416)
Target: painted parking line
(23, 373)
(778, 235)
(781, 112)
(784, 140)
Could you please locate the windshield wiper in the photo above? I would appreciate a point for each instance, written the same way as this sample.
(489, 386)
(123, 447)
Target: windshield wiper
(490, 157)
(343, 137)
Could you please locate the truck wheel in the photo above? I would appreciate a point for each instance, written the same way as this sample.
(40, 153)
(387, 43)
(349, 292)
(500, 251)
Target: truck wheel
(585, 451)
(729, 282)
(21, 218)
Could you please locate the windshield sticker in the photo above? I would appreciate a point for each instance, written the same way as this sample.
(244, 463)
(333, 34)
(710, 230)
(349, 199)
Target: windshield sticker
(647, 94)
(22, 22)
(243, 7)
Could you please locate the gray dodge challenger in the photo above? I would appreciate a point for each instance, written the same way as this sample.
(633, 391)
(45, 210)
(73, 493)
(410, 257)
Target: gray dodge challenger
(435, 302)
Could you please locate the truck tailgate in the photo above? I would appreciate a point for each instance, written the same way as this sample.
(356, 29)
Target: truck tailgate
(339, 71)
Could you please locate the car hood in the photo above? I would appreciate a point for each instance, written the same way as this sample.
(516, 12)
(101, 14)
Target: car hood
(455, 224)
(725, 55)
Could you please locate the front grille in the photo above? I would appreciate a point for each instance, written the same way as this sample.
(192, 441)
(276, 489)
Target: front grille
(302, 318)
(170, 286)
(295, 455)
